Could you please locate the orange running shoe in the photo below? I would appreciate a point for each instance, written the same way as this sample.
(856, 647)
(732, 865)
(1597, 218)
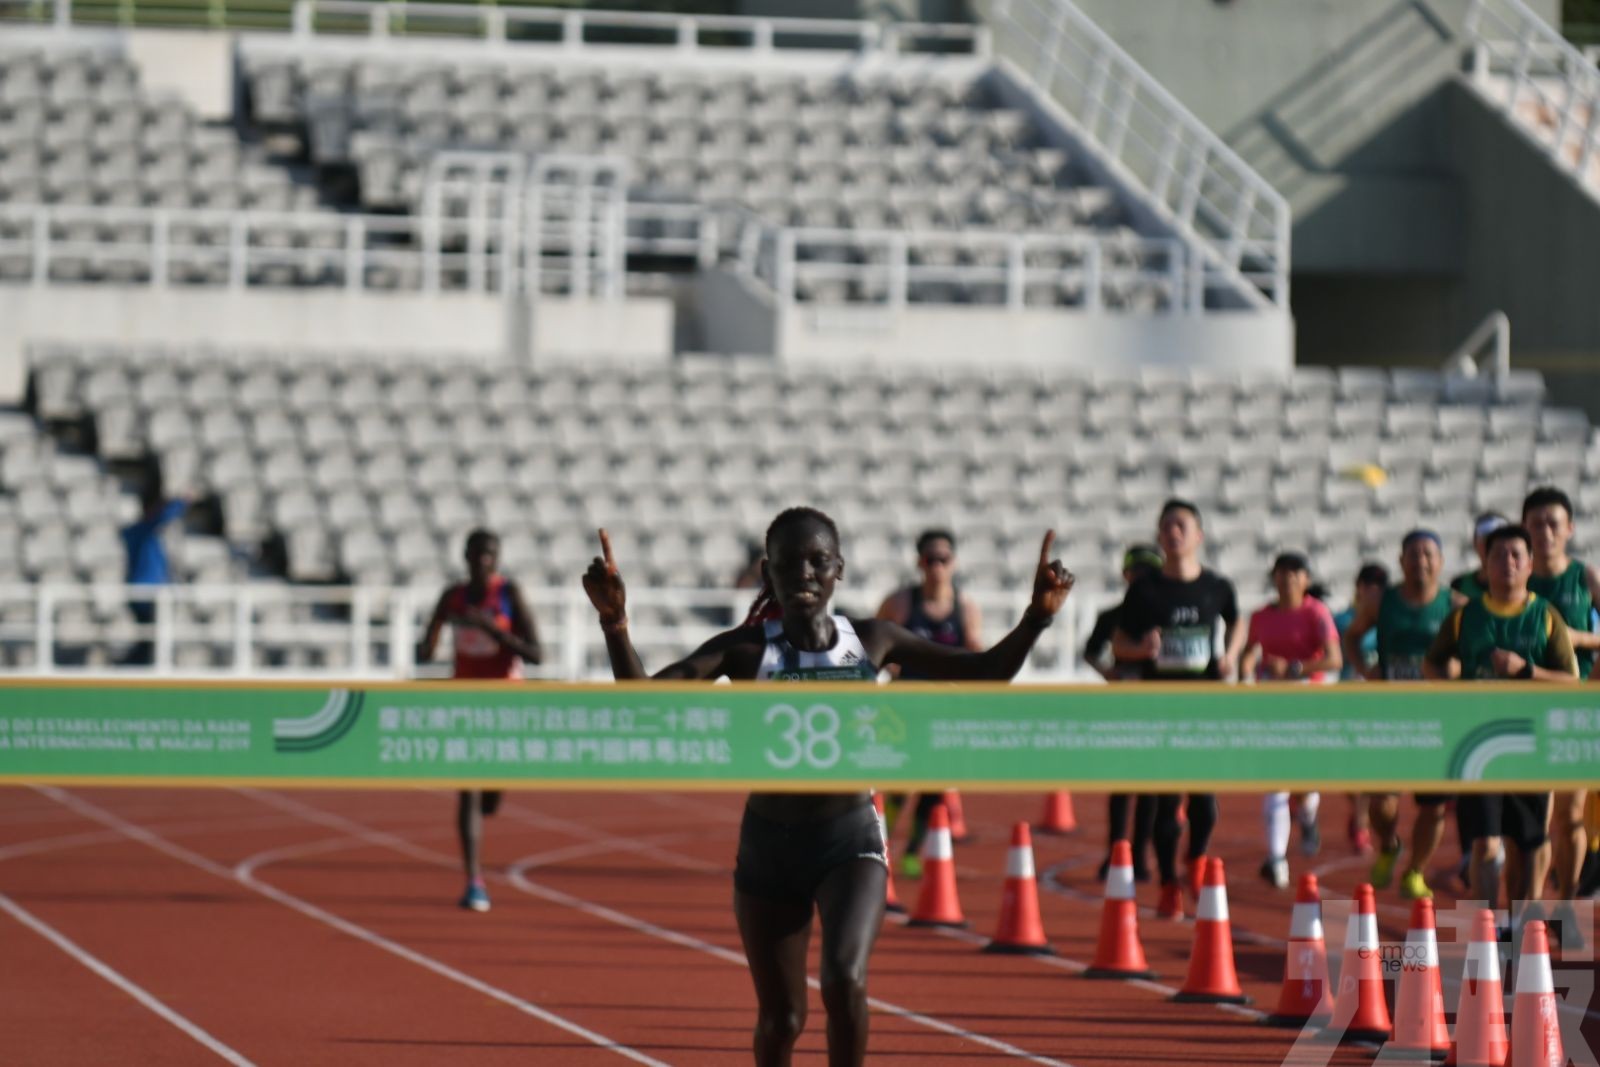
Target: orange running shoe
(1171, 906)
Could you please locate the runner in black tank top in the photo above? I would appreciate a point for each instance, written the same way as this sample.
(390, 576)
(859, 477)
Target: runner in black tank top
(820, 840)
(951, 621)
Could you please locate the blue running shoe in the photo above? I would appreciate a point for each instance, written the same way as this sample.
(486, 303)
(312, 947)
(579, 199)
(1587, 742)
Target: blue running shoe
(476, 897)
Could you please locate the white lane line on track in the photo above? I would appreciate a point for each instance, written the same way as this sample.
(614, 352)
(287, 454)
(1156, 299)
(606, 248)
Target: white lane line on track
(106, 972)
(600, 911)
(640, 846)
(345, 926)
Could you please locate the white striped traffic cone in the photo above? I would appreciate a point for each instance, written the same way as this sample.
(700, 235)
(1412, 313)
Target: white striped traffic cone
(1020, 930)
(1304, 998)
(1535, 1023)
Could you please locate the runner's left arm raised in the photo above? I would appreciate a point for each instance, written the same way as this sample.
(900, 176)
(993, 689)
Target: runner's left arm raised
(889, 643)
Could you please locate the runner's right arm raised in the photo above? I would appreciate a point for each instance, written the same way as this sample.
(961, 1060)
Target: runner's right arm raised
(603, 582)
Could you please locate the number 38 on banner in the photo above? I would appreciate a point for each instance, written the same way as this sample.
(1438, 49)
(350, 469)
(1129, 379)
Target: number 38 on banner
(810, 736)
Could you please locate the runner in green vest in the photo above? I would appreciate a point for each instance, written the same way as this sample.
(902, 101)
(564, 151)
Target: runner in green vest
(1510, 633)
(1573, 586)
(1407, 620)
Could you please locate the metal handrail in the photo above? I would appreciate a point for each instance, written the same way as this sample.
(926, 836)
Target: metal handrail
(1191, 176)
(497, 24)
(1511, 39)
(371, 631)
(162, 242)
(781, 257)
(1464, 361)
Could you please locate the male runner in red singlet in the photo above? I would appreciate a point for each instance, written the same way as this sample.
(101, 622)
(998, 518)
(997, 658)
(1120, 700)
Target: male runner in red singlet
(494, 634)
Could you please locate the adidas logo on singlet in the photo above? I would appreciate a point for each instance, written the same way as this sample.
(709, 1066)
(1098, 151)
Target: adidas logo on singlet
(850, 657)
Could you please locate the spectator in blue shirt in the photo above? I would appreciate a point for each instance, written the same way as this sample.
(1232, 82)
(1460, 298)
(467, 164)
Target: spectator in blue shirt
(147, 565)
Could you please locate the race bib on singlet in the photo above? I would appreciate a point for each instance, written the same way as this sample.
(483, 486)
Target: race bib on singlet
(852, 673)
(1403, 669)
(1185, 650)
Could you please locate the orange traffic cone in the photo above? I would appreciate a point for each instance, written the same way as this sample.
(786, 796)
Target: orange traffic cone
(937, 903)
(1304, 998)
(1481, 1012)
(1119, 953)
(1020, 931)
(1212, 977)
(1359, 1011)
(958, 817)
(1058, 817)
(891, 899)
(1420, 1031)
(1535, 1025)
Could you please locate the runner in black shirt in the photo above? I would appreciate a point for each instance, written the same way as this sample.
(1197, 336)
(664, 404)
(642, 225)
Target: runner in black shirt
(1170, 622)
(1140, 561)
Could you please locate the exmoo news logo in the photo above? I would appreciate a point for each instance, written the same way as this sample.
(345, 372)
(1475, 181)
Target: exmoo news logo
(1418, 982)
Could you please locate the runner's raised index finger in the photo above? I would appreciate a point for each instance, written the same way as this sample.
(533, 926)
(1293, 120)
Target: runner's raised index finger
(605, 548)
(1044, 549)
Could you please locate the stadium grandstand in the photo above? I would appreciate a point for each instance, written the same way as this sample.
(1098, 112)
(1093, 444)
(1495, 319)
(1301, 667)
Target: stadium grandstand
(426, 267)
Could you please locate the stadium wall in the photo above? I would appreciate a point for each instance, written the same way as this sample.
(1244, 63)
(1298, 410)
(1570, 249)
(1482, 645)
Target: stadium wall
(1411, 201)
(444, 324)
(1532, 248)
(748, 320)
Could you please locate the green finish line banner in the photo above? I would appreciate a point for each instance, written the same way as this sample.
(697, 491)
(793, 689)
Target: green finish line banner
(794, 737)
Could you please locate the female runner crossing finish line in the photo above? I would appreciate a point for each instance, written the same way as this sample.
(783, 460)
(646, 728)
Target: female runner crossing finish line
(799, 852)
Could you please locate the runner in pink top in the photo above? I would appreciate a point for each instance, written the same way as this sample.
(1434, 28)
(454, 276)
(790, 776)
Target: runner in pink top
(1294, 639)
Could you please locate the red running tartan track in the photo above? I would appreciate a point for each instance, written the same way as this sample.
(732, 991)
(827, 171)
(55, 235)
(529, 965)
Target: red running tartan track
(306, 927)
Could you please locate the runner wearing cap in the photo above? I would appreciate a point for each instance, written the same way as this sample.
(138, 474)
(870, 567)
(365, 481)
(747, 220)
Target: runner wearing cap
(1140, 561)
(1509, 633)
(1405, 623)
(1291, 639)
(1470, 585)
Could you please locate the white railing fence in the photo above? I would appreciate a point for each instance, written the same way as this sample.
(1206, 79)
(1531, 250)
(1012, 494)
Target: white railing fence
(1541, 81)
(473, 251)
(1211, 195)
(892, 268)
(576, 30)
(556, 221)
(269, 630)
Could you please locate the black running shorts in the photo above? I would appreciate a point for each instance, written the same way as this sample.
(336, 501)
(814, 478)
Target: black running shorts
(778, 861)
(1521, 818)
